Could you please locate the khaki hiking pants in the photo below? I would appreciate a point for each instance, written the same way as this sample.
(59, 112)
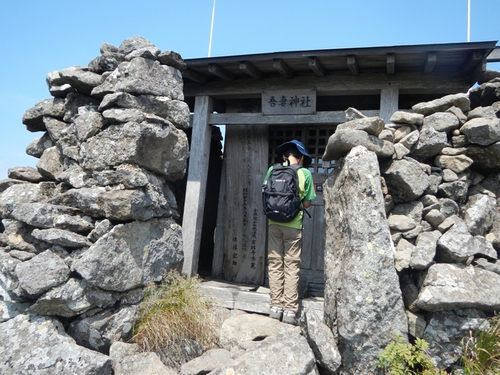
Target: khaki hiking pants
(284, 247)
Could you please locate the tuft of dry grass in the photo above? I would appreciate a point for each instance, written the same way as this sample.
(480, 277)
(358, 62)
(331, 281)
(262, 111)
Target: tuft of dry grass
(482, 350)
(175, 310)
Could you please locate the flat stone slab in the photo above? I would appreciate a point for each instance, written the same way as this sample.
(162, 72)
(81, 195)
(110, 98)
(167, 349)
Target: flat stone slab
(456, 286)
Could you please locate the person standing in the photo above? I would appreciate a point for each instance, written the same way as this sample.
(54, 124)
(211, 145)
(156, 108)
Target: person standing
(285, 239)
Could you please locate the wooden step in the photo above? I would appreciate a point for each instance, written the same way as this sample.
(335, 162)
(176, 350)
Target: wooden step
(250, 298)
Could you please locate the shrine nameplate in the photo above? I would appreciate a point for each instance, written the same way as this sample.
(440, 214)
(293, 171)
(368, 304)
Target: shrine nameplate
(289, 102)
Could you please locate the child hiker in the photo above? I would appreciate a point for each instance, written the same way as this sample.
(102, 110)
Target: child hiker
(285, 237)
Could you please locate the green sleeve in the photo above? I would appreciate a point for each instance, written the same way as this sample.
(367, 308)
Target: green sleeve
(310, 194)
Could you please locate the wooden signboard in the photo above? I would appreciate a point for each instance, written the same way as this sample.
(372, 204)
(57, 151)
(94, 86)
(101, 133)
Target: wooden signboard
(244, 222)
(289, 102)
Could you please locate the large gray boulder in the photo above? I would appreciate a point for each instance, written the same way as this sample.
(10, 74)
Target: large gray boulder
(430, 143)
(456, 286)
(44, 271)
(80, 79)
(33, 117)
(423, 255)
(446, 332)
(132, 255)
(371, 125)
(39, 345)
(457, 163)
(86, 124)
(482, 131)
(244, 330)
(406, 180)
(17, 236)
(37, 146)
(142, 76)
(457, 245)
(403, 117)
(61, 237)
(138, 46)
(8, 279)
(160, 149)
(128, 359)
(40, 215)
(461, 101)
(8, 182)
(360, 277)
(9, 309)
(284, 353)
(175, 111)
(343, 140)
(99, 331)
(51, 163)
(24, 193)
(28, 174)
(72, 298)
(122, 205)
(479, 214)
(75, 103)
(321, 340)
(442, 121)
(209, 361)
(486, 159)
(487, 93)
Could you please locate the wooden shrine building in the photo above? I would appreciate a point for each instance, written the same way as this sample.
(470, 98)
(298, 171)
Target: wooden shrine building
(266, 99)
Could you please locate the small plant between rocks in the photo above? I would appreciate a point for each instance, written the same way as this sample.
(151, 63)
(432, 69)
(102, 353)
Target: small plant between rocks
(403, 358)
(172, 311)
(482, 350)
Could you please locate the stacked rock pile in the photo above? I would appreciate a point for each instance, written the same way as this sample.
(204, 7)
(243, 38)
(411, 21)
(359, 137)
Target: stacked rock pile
(95, 222)
(439, 167)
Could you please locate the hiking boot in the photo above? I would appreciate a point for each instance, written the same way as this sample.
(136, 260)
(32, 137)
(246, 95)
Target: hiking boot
(289, 317)
(276, 312)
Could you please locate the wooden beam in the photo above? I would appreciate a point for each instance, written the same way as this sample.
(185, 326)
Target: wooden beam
(474, 58)
(220, 72)
(199, 156)
(335, 84)
(391, 63)
(283, 68)
(352, 65)
(251, 70)
(316, 66)
(320, 118)
(194, 76)
(218, 258)
(430, 62)
(389, 103)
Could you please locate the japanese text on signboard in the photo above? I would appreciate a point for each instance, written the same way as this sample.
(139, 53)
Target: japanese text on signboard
(282, 102)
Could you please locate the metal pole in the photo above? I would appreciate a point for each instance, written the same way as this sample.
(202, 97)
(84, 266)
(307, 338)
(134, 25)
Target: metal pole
(212, 30)
(468, 20)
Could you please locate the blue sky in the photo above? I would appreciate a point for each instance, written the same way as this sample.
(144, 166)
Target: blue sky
(38, 37)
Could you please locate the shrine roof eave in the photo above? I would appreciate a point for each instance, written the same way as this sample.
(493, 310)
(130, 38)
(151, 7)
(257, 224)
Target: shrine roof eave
(461, 60)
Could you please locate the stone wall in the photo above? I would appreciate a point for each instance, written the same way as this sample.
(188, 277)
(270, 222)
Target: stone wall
(412, 217)
(96, 221)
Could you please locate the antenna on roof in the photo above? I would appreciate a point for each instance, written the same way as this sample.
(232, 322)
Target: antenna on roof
(468, 20)
(212, 31)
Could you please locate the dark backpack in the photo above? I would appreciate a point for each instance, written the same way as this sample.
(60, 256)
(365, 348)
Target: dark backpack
(280, 194)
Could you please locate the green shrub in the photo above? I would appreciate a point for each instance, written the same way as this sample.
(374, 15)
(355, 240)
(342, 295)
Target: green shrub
(172, 311)
(402, 358)
(482, 350)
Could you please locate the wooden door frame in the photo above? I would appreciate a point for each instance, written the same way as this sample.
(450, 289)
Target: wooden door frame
(203, 117)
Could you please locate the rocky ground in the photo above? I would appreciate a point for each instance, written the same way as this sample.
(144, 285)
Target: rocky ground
(249, 344)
